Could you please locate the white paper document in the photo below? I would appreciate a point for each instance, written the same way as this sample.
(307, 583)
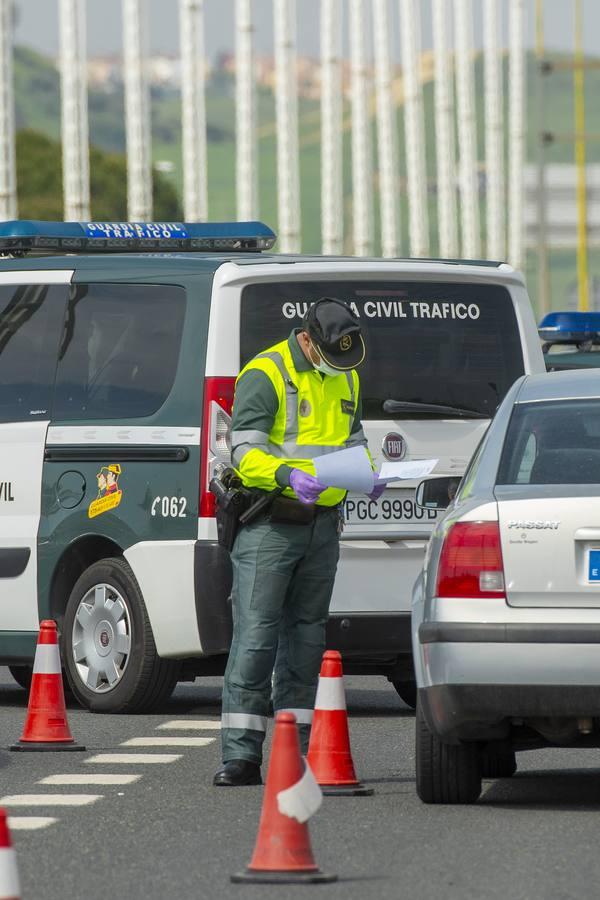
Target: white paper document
(409, 470)
(349, 470)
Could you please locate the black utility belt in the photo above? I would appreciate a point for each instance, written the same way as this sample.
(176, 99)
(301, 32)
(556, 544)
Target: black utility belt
(237, 506)
(287, 511)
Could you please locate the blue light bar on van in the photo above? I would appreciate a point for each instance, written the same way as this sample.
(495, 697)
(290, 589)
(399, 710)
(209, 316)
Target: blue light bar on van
(121, 237)
(570, 327)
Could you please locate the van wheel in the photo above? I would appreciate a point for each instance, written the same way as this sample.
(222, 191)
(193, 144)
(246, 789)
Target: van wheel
(445, 773)
(498, 763)
(407, 691)
(22, 675)
(107, 644)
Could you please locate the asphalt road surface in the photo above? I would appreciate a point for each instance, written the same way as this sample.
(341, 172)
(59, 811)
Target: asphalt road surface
(168, 833)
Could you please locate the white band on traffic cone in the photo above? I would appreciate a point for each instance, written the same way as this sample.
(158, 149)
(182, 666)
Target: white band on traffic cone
(10, 887)
(330, 694)
(47, 660)
(301, 800)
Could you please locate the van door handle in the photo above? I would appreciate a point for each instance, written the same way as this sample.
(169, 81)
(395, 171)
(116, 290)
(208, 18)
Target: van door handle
(587, 534)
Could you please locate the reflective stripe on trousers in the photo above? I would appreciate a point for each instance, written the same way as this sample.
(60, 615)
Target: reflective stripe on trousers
(244, 720)
(303, 716)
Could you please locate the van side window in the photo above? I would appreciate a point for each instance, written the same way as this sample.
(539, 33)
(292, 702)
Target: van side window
(119, 351)
(31, 318)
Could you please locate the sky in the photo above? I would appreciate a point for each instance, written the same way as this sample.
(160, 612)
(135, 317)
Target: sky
(37, 25)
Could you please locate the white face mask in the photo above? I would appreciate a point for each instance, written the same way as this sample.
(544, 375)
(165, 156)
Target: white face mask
(322, 366)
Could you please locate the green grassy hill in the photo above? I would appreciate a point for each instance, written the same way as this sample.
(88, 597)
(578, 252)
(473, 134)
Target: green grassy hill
(38, 107)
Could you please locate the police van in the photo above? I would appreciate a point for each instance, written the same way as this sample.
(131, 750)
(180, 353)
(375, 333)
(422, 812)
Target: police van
(119, 348)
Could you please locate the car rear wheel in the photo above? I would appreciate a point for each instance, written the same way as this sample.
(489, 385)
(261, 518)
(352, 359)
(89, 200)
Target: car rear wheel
(407, 691)
(498, 762)
(446, 773)
(22, 675)
(108, 648)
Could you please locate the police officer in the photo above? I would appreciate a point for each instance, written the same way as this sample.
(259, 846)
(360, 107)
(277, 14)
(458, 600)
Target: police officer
(294, 402)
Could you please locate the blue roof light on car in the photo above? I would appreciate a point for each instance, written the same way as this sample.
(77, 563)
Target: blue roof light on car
(17, 237)
(570, 327)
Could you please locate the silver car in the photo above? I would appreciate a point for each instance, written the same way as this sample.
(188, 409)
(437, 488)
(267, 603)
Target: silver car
(506, 612)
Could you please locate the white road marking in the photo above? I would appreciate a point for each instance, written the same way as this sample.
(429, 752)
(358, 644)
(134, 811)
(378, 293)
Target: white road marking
(49, 799)
(168, 742)
(191, 725)
(29, 823)
(99, 778)
(134, 758)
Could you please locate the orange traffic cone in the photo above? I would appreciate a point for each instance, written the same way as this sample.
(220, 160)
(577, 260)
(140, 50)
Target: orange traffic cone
(283, 854)
(46, 726)
(329, 754)
(10, 889)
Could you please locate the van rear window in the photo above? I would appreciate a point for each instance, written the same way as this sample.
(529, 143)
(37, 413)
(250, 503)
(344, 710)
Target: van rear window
(119, 352)
(427, 342)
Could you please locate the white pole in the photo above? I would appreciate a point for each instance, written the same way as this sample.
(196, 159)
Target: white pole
(193, 111)
(137, 112)
(465, 94)
(245, 109)
(516, 133)
(386, 132)
(332, 188)
(444, 132)
(74, 111)
(494, 135)
(416, 171)
(362, 162)
(286, 114)
(8, 175)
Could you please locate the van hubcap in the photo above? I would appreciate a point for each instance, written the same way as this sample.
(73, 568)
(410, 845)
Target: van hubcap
(101, 638)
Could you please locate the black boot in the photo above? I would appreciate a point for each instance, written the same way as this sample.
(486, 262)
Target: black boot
(237, 772)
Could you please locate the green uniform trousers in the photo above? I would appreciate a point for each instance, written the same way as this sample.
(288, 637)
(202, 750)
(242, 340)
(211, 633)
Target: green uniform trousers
(283, 579)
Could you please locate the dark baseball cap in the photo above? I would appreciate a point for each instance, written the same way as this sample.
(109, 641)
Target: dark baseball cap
(335, 330)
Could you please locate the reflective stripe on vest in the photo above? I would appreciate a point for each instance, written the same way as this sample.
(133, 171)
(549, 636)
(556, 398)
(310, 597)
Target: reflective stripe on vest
(242, 444)
(291, 395)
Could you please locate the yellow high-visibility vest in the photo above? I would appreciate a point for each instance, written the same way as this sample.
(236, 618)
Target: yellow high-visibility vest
(315, 416)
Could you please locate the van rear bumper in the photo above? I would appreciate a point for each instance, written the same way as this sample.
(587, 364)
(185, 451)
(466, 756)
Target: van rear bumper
(213, 578)
(369, 642)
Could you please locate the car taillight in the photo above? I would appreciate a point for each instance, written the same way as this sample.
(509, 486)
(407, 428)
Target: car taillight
(471, 561)
(216, 435)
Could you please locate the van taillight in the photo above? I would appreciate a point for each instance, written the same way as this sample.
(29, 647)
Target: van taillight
(471, 561)
(216, 435)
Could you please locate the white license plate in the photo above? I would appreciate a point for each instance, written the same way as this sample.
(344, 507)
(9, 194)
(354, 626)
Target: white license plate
(395, 507)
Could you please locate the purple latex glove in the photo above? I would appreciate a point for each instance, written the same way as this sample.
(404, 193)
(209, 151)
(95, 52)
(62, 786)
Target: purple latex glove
(306, 487)
(378, 489)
